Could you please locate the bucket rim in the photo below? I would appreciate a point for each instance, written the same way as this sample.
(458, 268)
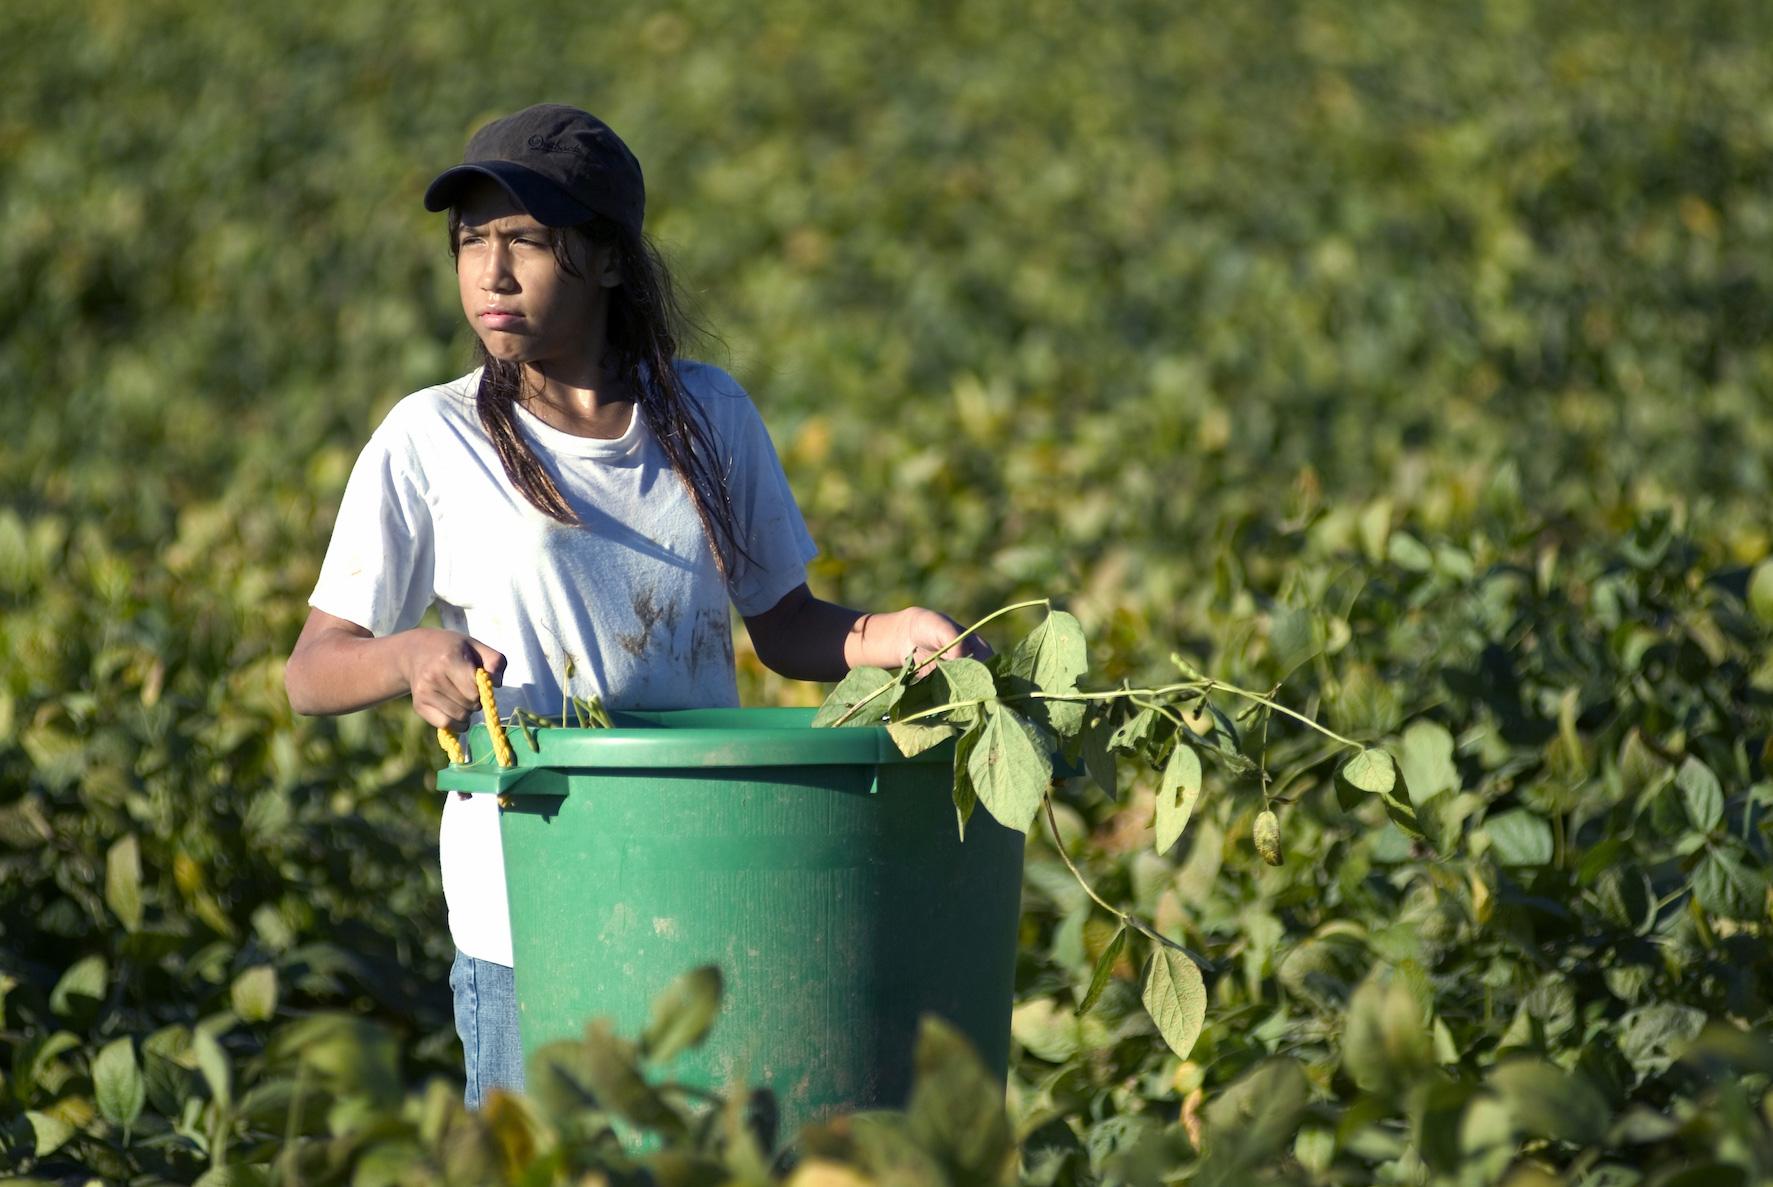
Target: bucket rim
(682, 739)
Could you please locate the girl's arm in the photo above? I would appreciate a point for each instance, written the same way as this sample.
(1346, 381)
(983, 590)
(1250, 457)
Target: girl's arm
(340, 667)
(803, 638)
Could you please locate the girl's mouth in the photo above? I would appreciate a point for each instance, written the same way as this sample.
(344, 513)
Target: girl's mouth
(499, 319)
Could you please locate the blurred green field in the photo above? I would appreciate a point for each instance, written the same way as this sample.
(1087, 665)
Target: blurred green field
(1428, 343)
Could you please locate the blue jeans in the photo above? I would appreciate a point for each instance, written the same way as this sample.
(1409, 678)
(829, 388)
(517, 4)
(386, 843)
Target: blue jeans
(486, 1021)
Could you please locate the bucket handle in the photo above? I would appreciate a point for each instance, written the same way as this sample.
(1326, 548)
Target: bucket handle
(495, 729)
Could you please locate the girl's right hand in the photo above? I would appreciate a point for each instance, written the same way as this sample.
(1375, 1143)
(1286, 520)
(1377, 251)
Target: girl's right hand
(439, 667)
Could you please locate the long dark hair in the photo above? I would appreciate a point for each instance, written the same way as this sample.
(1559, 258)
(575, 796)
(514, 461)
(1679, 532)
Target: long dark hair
(646, 323)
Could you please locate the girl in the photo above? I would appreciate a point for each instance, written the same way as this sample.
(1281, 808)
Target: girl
(582, 496)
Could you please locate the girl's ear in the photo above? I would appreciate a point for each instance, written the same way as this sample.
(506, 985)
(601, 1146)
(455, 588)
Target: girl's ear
(608, 273)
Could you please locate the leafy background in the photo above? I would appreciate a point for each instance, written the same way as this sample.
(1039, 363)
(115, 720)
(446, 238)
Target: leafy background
(1414, 356)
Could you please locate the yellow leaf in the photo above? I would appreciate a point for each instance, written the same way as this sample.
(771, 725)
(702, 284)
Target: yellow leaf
(816, 1172)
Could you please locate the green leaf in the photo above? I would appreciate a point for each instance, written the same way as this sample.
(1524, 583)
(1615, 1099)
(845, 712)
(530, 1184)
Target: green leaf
(1053, 655)
(84, 979)
(60, 757)
(1292, 640)
(167, 1080)
(611, 1073)
(558, 1078)
(966, 680)
(1403, 814)
(1009, 768)
(683, 1014)
(1652, 1037)
(1047, 1030)
(889, 1146)
(233, 1175)
(1130, 734)
(1371, 770)
(966, 796)
(350, 1055)
(1435, 1107)
(1701, 794)
(1375, 529)
(1549, 1102)
(915, 737)
(1545, 1013)
(858, 686)
(123, 881)
(49, 1132)
(1315, 1148)
(117, 1082)
(1407, 552)
(212, 1061)
(1519, 838)
(1724, 1046)
(1426, 760)
(1386, 1040)
(254, 993)
(1487, 1139)
(1253, 1117)
(1177, 794)
(1104, 969)
(1097, 758)
(1726, 887)
(1710, 1173)
(956, 1108)
(1175, 997)
(36, 1055)
(1227, 739)
(1064, 718)
(1760, 591)
(1050, 659)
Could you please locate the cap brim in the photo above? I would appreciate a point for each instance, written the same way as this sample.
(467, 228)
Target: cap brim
(546, 202)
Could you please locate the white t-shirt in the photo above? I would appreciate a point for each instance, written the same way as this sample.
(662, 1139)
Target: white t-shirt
(632, 595)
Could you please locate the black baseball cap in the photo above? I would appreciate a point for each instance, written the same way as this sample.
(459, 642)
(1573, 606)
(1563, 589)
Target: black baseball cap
(561, 164)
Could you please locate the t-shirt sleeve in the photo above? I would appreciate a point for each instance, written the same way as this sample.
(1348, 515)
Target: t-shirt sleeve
(378, 571)
(774, 533)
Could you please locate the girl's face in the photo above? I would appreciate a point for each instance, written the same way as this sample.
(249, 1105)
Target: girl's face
(524, 307)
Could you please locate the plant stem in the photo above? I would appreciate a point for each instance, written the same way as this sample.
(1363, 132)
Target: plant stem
(955, 642)
(1280, 708)
(1299, 768)
(292, 1126)
(1126, 920)
(1059, 844)
(944, 708)
(1205, 686)
(1266, 718)
(1160, 710)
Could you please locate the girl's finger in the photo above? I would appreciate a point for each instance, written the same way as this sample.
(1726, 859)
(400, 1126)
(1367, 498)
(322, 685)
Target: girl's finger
(439, 717)
(485, 657)
(445, 707)
(460, 690)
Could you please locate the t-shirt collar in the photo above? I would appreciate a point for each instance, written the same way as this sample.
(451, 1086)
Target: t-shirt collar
(609, 449)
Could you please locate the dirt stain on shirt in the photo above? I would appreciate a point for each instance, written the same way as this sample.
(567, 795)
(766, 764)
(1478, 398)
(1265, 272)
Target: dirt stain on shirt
(711, 643)
(649, 614)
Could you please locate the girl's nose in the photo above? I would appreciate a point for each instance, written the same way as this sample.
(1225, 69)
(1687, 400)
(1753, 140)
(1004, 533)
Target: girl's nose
(495, 274)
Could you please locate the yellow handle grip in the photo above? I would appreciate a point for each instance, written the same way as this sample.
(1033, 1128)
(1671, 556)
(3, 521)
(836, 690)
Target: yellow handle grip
(452, 746)
(495, 729)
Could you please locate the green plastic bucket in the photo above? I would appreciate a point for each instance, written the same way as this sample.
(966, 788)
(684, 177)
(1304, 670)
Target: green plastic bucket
(821, 871)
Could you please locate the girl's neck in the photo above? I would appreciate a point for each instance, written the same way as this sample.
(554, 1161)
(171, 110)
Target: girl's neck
(585, 400)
